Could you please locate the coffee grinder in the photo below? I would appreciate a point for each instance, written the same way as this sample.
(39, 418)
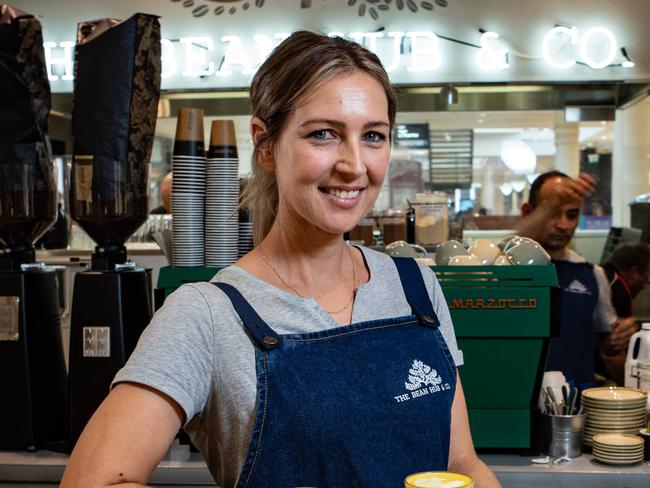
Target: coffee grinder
(117, 85)
(33, 380)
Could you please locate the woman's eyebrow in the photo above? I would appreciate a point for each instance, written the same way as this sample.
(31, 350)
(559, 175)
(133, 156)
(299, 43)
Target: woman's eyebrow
(338, 123)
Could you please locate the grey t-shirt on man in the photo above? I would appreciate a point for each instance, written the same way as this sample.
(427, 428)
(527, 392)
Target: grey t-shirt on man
(196, 351)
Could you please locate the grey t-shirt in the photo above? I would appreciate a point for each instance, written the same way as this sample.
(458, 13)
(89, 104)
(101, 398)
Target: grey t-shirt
(196, 351)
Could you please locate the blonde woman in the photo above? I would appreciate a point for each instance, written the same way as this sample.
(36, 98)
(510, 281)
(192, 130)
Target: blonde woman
(309, 362)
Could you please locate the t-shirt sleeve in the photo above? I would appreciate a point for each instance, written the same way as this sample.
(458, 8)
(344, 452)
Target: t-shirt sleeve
(175, 352)
(442, 312)
(604, 313)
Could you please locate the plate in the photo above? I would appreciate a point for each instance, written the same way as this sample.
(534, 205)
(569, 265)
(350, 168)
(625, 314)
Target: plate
(614, 394)
(622, 424)
(618, 440)
(619, 462)
(617, 451)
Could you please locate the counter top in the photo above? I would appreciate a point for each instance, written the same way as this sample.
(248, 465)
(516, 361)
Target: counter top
(180, 468)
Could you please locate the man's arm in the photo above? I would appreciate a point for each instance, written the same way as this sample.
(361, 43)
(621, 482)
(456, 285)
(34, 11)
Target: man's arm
(533, 219)
(462, 456)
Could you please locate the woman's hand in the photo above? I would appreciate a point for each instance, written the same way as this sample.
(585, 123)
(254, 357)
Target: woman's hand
(124, 440)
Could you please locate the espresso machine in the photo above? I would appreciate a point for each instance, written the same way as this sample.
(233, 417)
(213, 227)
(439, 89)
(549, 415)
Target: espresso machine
(33, 382)
(117, 85)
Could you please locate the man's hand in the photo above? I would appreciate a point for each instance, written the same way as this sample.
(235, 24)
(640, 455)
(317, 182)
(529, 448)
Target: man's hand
(622, 331)
(566, 190)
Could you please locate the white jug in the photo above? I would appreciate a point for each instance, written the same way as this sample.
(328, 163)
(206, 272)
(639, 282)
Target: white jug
(639, 349)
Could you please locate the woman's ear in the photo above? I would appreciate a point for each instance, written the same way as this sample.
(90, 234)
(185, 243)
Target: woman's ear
(263, 150)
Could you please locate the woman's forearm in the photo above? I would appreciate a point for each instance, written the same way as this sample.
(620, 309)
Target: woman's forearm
(472, 466)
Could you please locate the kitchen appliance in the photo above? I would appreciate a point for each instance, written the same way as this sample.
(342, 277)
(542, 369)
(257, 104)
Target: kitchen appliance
(33, 380)
(504, 318)
(638, 350)
(117, 86)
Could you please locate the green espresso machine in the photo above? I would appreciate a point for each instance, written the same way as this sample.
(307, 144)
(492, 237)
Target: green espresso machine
(504, 317)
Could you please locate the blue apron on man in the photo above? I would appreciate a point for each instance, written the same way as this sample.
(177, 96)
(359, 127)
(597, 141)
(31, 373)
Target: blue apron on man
(358, 405)
(572, 352)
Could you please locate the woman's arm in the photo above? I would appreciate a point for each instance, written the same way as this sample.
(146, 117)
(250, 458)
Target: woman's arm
(124, 440)
(462, 456)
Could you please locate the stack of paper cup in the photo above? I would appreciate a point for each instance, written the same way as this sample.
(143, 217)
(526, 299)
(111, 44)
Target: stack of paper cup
(222, 196)
(188, 189)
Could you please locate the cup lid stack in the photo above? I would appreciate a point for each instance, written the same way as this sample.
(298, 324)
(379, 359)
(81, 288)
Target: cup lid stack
(613, 410)
(618, 448)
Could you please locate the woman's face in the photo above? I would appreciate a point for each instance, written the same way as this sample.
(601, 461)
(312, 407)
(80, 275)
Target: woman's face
(332, 155)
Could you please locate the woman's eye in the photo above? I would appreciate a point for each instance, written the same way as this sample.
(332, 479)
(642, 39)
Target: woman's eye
(375, 137)
(321, 134)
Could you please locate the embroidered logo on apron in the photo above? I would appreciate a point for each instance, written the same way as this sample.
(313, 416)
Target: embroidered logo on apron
(422, 380)
(577, 287)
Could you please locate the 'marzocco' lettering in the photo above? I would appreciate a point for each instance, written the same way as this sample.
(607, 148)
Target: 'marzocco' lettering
(494, 303)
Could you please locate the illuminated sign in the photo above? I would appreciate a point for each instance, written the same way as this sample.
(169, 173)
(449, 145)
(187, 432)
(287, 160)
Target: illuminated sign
(597, 47)
(203, 57)
(492, 55)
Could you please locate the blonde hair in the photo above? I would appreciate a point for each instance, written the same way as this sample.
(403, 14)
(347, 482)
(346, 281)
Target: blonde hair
(300, 64)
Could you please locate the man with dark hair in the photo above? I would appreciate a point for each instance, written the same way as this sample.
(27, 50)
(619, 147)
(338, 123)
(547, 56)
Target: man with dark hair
(627, 269)
(588, 320)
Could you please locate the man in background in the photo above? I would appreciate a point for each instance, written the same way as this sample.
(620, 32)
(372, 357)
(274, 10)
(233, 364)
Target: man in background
(165, 196)
(627, 270)
(587, 318)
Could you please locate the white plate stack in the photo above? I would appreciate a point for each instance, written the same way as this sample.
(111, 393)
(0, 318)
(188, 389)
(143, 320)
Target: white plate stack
(222, 196)
(188, 189)
(618, 449)
(613, 410)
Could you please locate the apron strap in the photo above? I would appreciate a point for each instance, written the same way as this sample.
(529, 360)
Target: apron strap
(262, 335)
(416, 291)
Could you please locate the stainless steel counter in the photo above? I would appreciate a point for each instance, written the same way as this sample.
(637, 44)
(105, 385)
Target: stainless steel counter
(180, 468)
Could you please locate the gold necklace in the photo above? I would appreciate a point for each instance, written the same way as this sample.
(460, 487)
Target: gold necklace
(331, 312)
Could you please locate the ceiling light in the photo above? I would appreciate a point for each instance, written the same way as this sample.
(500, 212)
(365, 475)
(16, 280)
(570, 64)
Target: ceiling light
(531, 177)
(518, 156)
(518, 186)
(506, 189)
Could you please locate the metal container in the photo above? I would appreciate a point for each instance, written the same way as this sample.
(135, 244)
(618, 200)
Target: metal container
(563, 435)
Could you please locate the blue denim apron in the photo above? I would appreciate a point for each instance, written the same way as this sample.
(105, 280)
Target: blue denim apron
(573, 351)
(361, 405)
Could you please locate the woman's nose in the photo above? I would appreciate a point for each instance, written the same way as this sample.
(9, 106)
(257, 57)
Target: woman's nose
(350, 160)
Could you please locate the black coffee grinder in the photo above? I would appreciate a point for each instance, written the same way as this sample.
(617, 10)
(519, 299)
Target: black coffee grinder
(34, 382)
(117, 85)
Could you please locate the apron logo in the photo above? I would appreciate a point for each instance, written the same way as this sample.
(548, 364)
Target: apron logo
(577, 287)
(422, 380)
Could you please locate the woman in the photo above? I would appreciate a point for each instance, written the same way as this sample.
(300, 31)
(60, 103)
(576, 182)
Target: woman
(291, 368)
